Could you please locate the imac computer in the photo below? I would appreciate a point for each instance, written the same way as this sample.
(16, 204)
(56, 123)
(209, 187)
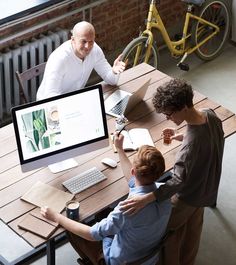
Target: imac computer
(59, 128)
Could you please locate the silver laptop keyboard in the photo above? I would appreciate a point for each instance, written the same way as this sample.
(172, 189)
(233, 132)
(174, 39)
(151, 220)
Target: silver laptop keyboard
(84, 180)
(119, 108)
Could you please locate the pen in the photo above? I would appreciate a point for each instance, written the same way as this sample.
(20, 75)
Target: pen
(112, 142)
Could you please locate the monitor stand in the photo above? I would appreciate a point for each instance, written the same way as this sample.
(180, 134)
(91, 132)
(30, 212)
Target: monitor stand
(63, 165)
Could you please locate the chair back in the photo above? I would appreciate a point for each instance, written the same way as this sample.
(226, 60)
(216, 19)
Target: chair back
(156, 250)
(29, 82)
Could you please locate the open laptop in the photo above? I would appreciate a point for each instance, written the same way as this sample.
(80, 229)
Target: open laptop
(122, 102)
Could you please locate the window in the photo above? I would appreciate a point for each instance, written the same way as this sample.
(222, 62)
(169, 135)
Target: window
(14, 9)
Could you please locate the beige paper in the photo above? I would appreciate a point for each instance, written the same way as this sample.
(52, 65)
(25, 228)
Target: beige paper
(45, 195)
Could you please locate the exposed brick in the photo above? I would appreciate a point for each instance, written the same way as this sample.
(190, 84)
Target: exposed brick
(116, 21)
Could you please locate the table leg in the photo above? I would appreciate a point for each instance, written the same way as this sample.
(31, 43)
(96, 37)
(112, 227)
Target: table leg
(51, 252)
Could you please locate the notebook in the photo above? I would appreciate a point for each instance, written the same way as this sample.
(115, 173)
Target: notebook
(37, 224)
(134, 138)
(122, 102)
(41, 194)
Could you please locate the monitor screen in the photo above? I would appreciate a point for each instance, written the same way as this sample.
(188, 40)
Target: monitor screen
(54, 129)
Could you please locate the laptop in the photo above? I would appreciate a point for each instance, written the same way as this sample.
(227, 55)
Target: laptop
(122, 102)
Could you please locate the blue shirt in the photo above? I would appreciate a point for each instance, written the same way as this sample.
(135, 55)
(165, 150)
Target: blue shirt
(127, 238)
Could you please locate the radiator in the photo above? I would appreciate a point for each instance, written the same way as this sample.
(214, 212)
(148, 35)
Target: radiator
(22, 58)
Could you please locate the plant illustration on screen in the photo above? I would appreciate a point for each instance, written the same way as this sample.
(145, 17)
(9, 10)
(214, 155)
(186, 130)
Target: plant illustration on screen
(38, 131)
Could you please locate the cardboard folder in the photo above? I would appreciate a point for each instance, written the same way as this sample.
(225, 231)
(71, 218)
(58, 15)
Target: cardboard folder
(37, 224)
(42, 194)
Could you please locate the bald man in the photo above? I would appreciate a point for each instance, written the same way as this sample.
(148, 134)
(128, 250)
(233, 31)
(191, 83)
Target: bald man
(68, 67)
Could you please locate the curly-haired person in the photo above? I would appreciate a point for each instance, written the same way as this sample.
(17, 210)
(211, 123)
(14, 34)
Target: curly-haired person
(196, 173)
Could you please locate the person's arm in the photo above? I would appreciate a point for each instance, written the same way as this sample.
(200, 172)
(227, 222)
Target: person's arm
(118, 65)
(182, 169)
(77, 228)
(109, 226)
(134, 204)
(165, 191)
(104, 69)
(124, 160)
(175, 135)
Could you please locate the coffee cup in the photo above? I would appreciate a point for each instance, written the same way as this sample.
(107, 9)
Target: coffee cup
(54, 114)
(72, 210)
(167, 134)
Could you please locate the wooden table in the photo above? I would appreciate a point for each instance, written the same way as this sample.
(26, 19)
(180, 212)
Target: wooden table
(14, 183)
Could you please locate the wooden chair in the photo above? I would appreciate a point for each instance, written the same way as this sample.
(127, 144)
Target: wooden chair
(28, 90)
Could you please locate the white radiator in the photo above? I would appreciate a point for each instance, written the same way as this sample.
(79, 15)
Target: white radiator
(22, 58)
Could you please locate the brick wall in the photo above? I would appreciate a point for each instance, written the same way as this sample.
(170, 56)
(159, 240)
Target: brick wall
(116, 21)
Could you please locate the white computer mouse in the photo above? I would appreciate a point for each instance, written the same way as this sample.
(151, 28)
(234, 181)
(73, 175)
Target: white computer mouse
(109, 162)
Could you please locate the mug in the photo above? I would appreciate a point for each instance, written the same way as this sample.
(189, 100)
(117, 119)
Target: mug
(72, 210)
(167, 134)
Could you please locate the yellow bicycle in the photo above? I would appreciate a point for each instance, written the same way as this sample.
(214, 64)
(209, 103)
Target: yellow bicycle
(205, 31)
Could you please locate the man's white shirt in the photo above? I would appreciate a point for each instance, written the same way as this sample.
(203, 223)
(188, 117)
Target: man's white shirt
(65, 72)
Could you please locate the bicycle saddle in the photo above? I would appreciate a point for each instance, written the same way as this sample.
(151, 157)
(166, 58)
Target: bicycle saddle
(194, 2)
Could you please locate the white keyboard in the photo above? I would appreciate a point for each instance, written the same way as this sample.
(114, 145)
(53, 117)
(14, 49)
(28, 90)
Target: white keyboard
(84, 180)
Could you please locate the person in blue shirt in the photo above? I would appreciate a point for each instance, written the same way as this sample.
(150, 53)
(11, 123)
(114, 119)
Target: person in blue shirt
(120, 238)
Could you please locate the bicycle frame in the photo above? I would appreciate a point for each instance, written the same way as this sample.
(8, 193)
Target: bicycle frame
(177, 48)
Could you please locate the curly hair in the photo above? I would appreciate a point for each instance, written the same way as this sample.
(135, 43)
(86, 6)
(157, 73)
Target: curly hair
(174, 95)
(149, 164)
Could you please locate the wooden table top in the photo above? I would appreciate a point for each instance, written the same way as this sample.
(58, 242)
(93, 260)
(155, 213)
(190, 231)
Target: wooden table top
(14, 183)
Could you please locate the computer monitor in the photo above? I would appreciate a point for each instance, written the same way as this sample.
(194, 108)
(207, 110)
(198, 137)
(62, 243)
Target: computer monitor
(61, 127)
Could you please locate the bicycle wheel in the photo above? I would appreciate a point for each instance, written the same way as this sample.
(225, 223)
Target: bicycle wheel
(130, 51)
(216, 12)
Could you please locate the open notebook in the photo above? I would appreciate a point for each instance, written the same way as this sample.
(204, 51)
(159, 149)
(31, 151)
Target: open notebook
(134, 138)
(122, 102)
